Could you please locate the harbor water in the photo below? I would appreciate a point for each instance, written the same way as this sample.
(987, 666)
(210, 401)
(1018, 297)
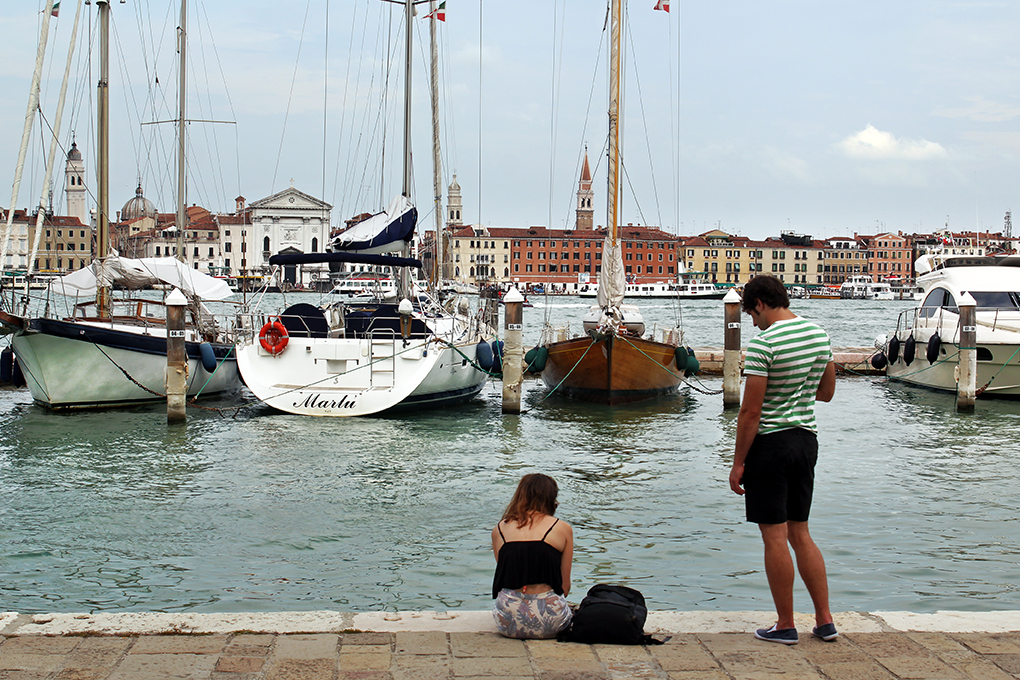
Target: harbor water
(250, 510)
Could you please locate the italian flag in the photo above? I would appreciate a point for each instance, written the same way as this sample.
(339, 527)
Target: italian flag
(56, 9)
(440, 12)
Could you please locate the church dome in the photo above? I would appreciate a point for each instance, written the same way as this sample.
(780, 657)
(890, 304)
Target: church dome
(74, 154)
(139, 206)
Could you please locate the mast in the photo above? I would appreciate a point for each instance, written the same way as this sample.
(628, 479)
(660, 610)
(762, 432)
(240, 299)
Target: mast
(437, 164)
(405, 288)
(614, 117)
(103, 164)
(182, 208)
(33, 104)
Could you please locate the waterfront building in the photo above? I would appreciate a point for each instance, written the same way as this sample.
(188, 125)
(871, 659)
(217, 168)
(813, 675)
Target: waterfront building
(65, 244)
(289, 221)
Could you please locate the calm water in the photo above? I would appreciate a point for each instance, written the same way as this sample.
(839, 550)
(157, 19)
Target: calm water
(915, 505)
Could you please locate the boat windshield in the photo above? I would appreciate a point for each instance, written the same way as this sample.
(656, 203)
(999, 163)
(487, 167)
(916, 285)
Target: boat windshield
(1005, 300)
(937, 299)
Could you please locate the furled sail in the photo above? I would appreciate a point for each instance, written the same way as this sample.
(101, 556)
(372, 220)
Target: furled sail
(132, 273)
(612, 282)
(385, 232)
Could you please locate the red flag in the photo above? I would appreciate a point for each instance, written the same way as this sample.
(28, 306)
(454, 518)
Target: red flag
(441, 12)
(663, 5)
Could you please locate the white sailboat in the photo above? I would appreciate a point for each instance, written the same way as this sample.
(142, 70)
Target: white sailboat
(112, 352)
(348, 358)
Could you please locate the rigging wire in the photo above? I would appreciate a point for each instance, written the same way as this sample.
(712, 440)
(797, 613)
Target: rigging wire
(290, 96)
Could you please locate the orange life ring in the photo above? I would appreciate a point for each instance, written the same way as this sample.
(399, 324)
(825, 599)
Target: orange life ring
(274, 337)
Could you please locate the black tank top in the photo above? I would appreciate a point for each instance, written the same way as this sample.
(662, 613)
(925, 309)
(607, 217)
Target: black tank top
(521, 563)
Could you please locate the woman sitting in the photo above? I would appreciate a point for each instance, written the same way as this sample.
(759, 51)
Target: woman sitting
(533, 552)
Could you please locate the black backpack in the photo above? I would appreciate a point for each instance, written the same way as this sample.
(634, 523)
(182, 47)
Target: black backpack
(609, 615)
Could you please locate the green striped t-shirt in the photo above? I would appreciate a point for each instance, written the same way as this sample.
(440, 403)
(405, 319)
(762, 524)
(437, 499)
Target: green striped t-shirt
(792, 354)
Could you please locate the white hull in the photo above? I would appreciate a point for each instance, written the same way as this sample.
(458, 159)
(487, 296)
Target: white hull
(67, 373)
(997, 366)
(344, 377)
(662, 290)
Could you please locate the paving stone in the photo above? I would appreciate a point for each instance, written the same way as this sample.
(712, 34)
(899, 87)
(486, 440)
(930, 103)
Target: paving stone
(179, 644)
(302, 669)
(684, 658)
(982, 669)
(250, 645)
(989, 644)
(364, 675)
(164, 667)
(635, 669)
(745, 664)
(855, 670)
(421, 667)
(937, 643)
(725, 643)
(23, 675)
(37, 644)
(240, 664)
(572, 675)
(375, 659)
(882, 645)
(698, 675)
(622, 653)
(46, 663)
(564, 651)
(468, 666)
(828, 652)
(919, 667)
(432, 642)
(1007, 662)
(485, 645)
(367, 639)
(319, 646)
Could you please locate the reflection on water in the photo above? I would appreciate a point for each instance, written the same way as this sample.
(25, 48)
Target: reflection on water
(264, 512)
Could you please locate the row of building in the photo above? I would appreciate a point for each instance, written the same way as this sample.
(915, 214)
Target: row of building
(239, 244)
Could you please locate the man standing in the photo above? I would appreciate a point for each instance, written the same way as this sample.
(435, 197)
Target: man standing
(788, 367)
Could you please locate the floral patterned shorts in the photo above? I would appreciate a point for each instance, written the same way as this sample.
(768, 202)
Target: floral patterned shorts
(530, 616)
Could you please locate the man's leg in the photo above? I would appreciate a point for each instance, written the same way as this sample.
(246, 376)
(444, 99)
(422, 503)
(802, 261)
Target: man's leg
(779, 570)
(811, 566)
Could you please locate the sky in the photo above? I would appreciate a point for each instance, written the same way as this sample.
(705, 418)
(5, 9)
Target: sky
(822, 118)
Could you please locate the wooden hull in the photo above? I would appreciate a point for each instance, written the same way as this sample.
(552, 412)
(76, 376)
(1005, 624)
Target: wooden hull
(615, 370)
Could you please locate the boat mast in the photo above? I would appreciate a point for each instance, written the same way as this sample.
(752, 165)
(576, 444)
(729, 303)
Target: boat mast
(405, 288)
(616, 22)
(437, 164)
(182, 208)
(103, 165)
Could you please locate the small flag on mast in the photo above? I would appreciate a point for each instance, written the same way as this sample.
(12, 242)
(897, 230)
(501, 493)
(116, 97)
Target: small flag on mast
(663, 5)
(55, 12)
(441, 12)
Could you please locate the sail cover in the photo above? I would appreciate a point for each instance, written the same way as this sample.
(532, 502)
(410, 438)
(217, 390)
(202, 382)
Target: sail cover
(612, 281)
(132, 273)
(385, 232)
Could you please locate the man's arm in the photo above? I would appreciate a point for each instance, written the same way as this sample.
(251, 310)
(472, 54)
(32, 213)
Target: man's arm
(827, 385)
(747, 426)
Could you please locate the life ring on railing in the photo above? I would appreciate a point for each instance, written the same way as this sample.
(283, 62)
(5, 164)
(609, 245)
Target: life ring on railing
(274, 337)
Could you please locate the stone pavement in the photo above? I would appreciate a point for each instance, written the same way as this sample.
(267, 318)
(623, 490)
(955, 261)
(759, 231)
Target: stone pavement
(422, 647)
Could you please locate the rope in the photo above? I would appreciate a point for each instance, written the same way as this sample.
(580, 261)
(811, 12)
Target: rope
(553, 390)
(683, 378)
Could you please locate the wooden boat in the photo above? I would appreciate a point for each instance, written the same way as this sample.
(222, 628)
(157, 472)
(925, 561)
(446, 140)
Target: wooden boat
(613, 363)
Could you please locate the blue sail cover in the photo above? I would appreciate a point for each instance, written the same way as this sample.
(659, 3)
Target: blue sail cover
(385, 232)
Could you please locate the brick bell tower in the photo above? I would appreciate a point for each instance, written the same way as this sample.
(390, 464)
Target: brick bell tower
(585, 212)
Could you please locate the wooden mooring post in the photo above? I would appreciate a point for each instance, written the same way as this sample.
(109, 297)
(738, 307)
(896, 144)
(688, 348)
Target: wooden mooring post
(731, 351)
(176, 358)
(966, 392)
(513, 350)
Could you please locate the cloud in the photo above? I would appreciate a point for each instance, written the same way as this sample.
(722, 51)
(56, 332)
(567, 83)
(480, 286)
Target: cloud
(872, 143)
(979, 109)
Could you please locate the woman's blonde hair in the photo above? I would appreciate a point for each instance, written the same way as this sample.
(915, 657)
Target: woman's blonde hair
(536, 493)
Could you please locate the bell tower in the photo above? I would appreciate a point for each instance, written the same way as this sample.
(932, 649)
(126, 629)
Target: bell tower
(74, 185)
(585, 212)
(454, 205)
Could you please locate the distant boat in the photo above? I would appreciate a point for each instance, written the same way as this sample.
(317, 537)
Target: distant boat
(861, 287)
(613, 363)
(113, 352)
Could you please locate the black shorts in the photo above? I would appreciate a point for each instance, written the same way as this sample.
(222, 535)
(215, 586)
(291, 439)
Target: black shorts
(779, 476)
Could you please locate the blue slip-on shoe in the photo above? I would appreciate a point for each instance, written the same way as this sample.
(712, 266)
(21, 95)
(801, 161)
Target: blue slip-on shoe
(786, 636)
(826, 631)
